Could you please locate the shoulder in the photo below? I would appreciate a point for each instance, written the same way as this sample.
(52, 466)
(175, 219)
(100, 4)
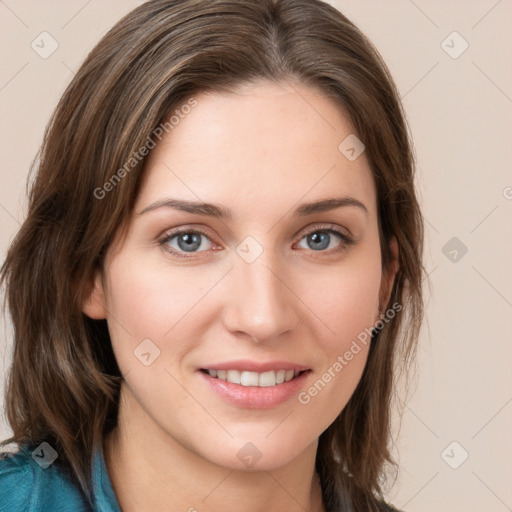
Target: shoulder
(28, 486)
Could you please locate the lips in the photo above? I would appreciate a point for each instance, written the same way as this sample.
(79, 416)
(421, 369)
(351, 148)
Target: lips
(254, 384)
(255, 397)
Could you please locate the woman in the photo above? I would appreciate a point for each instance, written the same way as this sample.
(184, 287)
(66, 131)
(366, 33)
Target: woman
(219, 272)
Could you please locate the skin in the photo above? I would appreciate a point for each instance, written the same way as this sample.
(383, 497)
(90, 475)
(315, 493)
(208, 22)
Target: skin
(260, 152)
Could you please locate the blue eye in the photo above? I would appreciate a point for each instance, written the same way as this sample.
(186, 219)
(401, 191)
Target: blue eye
(320, 239)
(187, 241)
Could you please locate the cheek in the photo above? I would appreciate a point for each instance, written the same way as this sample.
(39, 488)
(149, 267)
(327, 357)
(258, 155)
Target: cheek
(145, 302)
(347, 303)
(346, 299)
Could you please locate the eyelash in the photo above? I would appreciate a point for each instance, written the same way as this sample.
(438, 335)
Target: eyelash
(346, 241)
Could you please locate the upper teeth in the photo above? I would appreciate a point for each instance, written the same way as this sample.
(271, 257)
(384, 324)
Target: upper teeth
(264, 379)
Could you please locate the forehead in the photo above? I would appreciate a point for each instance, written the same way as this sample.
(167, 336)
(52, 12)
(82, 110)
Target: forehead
(264, 145)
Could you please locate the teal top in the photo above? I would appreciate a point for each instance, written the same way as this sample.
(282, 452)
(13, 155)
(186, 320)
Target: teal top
(29, 482)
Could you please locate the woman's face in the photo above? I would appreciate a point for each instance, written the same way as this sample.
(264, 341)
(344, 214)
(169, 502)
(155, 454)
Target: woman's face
(272, 285)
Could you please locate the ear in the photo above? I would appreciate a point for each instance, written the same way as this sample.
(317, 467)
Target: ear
(388, 276)
(94, 305)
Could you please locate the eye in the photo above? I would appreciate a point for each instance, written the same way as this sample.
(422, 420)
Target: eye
(187, 240)
(321, 239)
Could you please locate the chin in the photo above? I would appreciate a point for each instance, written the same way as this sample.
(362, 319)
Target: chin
(260, 454)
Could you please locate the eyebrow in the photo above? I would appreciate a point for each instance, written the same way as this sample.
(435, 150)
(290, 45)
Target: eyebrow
(221, 212)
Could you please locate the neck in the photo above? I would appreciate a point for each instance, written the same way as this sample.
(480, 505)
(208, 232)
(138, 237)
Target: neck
(150, 470)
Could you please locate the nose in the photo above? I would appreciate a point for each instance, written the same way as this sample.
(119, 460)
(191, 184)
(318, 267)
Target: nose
(260, 304)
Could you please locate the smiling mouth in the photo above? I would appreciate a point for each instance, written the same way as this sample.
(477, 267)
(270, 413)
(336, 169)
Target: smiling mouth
(255, 379)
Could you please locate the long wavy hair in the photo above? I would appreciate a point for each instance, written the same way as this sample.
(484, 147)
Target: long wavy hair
(63, 384)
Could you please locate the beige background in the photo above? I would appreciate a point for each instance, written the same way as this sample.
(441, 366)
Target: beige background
(459, 110)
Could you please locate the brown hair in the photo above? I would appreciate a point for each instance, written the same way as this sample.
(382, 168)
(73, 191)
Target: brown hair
(63, 386)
